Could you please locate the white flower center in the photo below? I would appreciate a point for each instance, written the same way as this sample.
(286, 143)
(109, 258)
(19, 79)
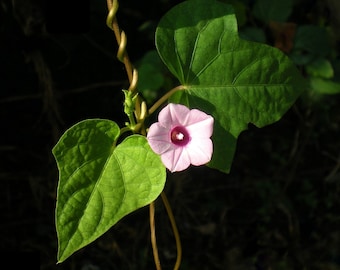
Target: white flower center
(180, 136)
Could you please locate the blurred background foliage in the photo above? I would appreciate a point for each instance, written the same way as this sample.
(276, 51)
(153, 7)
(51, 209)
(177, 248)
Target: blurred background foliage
(277, 209)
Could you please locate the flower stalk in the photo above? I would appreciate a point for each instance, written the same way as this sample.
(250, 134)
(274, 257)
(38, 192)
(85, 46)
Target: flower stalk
(164, 98)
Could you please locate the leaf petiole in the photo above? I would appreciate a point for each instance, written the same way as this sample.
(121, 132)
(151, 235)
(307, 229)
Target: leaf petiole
(165, 98)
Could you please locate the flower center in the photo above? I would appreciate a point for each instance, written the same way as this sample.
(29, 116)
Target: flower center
(179, 136)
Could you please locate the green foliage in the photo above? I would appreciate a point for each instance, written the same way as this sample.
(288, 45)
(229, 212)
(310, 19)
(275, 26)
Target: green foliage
(277, 209)
(151, 76)
(323, 86)
(312, 50)
(320, 67)
(272, 10)
(321, 74)
(100, 183)
(253, 34)
(310, 42)
(236, 81)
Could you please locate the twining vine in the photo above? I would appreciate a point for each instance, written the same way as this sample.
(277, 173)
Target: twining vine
(140, 114)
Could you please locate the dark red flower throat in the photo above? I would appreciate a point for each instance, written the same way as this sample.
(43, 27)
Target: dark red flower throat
(179, 136)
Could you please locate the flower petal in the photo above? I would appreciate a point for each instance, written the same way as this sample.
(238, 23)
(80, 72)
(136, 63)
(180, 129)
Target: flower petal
(198, 128)
(176, 159)
(200, 151)
(200, 125)
(158, 138)
(196, 116)
(173, 114)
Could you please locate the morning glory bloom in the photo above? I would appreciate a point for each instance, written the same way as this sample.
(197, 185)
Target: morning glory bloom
(182, 137)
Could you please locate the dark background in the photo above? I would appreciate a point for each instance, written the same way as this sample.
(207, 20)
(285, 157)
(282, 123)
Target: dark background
(277, 209)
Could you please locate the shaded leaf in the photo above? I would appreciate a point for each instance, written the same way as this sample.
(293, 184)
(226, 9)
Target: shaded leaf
(320, 67)
(240, 11)
(310, 42)
(253, 34)
(273, 10)
(150, 79)
(325, 87)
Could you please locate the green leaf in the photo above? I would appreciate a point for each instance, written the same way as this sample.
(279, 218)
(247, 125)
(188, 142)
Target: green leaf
(236, 81)
(324, 87)
(100, 183)
(310, 41)
(320, 67)
(253, 34)
(153, 76)
(240, 11)
(150, 79)
(273, 10)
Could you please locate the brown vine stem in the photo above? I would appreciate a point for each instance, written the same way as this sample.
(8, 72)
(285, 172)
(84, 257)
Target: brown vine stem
(122, 54)
(153, 236)
(140, 113)
(112, 23)
(174, 229)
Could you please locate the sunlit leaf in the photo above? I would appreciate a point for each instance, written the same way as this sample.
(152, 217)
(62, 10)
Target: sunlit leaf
(99, 182)
(236, 81)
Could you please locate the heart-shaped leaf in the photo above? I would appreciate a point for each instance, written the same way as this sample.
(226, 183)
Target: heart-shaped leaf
(99, 182)
(236, 81)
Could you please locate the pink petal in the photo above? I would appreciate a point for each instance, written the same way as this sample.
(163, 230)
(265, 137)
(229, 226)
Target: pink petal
(176, 159)
(158, 138)
(200, 125)
(196, 116)
(200, 151)
(173, 114)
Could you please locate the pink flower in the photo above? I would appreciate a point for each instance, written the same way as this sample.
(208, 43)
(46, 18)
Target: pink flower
(182, 137)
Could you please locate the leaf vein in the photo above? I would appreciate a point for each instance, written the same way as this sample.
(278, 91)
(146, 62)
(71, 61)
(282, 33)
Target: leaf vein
(245, 69)
(194, 49)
